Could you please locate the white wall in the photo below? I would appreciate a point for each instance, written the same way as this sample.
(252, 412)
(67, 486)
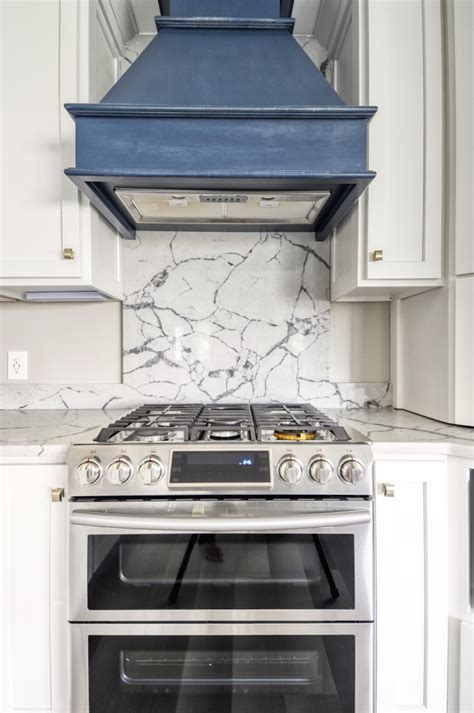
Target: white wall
(422, 342)
(360, 342)
(66, 343)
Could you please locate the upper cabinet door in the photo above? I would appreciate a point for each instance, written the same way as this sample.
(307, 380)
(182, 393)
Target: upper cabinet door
(35, 219)
(53, 52)
(403, 70)
(389, 53)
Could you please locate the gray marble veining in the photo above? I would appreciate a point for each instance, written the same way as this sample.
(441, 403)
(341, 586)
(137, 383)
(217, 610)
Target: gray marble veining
(231, 317)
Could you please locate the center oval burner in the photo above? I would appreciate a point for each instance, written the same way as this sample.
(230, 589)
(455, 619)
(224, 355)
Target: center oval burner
(225, 435)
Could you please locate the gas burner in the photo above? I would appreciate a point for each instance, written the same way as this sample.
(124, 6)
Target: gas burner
(225, 423)
(296, 435)
(157, 437)
(225, 435)
(220, 432)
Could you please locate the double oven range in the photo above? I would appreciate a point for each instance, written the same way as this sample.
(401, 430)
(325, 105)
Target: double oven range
(221, 559)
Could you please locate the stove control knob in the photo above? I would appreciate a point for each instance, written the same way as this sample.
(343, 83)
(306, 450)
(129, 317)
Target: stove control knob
(320, 470)
(150, 470)
(290, 470)
(351, 470)
(89, 471)
(120, 470)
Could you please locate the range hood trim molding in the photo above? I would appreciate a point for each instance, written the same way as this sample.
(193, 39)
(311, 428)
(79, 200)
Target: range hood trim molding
(207, 112)
(330, 178)
(167, 7)
(224, 23)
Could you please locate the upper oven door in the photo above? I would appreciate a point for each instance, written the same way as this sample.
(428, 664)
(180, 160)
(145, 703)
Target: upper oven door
(221, 561)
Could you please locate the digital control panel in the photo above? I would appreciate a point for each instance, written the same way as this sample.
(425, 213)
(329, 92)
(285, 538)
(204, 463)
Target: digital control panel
(220, 468)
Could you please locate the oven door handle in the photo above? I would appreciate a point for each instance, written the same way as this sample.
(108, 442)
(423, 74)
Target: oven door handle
(170, 523)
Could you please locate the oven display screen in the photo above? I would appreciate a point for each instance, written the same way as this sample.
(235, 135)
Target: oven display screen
(220, 467)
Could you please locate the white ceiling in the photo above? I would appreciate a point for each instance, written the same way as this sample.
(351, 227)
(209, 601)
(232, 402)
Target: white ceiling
(305, 12)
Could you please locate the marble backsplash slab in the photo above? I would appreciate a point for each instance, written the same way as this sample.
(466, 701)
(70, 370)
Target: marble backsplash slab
(219, 317)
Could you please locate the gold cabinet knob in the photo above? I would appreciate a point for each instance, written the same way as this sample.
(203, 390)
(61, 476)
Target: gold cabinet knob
(377, 255)
(68, 254)
(388, 489)
(57, 495)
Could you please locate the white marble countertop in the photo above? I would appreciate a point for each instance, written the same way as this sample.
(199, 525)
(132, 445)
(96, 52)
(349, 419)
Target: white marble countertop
(388, 425)
(47, 434)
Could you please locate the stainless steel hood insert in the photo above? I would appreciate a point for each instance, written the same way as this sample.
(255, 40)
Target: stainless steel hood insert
(155, 207)
(222, 123)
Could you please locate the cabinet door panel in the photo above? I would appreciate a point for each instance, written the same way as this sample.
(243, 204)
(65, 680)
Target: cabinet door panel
(32, 172)
(412, 587)
(33, 614)
(27, 515)
(400, 608)
(404, 203)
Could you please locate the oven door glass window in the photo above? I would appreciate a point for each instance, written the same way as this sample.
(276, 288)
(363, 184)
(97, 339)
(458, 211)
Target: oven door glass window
(224, 571)
(197, 674)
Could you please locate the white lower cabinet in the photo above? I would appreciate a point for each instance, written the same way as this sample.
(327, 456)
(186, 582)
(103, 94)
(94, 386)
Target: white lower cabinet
(33, 619)
(412, 585)
(461, 593)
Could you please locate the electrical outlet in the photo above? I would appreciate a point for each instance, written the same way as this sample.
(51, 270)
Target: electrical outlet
(17, 365)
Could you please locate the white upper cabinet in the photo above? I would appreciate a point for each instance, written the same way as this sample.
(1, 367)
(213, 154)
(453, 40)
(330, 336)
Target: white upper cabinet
(389, 54)
(51, 53)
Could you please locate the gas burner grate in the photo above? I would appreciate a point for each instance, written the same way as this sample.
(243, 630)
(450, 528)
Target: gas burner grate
(152, 423)
(295, 422)
(223, 423)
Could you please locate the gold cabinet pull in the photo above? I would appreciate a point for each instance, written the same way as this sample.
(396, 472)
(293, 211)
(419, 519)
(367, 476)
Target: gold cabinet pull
(68, 254)
(388, 489)
(57, 495)
(377, 255)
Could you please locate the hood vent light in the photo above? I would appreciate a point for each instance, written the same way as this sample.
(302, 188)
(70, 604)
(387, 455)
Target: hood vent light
(161, 208)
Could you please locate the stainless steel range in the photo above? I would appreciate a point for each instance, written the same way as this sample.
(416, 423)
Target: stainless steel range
(221, 558)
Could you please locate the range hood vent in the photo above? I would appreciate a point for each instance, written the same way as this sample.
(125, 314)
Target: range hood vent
(222, 123)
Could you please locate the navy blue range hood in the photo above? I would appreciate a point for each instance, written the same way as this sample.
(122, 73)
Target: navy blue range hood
(222, 123)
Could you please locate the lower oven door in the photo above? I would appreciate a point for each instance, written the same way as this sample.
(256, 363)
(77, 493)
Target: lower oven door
(211, 668)
(221, 561)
